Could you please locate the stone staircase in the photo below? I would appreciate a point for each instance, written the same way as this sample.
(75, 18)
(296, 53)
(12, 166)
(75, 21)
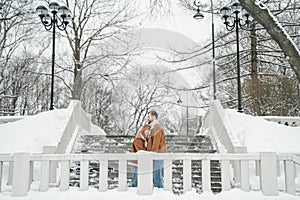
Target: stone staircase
(89, 144)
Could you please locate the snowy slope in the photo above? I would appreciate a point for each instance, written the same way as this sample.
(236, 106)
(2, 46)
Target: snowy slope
(260, 135)
(30, 134)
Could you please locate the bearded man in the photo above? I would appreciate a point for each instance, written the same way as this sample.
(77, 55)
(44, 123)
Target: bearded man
(156, 143)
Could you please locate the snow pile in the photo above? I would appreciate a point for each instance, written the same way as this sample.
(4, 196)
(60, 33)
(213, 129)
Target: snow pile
(260, 135)
(31, 134)
(96, 130)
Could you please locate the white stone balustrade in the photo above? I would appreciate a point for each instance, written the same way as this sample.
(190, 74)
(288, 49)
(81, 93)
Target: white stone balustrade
(268, 170)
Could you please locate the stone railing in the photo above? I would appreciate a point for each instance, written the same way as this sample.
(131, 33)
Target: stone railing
(78, 118)
(22, 173)
(214, 125)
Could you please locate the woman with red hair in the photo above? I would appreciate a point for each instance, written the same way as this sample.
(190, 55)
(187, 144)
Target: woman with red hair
(139, 143)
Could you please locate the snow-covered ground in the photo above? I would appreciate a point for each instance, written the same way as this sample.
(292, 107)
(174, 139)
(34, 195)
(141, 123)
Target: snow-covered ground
(259, 135)
(94, 194)
(32, 133)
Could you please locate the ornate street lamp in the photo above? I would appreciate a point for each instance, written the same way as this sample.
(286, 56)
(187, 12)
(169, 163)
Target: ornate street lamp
(197, 16)
(179, 101)
(53, 16)
(236, 17)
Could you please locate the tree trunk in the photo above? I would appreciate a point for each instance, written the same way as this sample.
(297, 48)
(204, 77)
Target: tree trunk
(255, 89)
(77, 88)
(262, 15)
(253, 38)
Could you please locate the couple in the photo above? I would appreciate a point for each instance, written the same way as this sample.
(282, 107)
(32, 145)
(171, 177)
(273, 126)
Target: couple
(150, 138)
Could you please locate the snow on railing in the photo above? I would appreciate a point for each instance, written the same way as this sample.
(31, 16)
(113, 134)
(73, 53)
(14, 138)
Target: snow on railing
(214, 122)
(268, 170)
(78, 117)
(225, 141)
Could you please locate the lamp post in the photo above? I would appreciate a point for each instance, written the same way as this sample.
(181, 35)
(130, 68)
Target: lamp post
(232, 19)
(197, 16)
(59, 17)
(179, 101)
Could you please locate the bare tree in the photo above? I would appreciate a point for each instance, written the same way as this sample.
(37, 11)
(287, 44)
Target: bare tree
(139, 92)
(264, 16)
(16, 57)
(261, 58)
(92, 39)
(13, 29)
(99, 105)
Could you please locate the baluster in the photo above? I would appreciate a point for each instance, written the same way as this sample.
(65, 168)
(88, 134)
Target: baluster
(64, 175)
(45, 176)
(103, 175)
(187, 175)
(1, 169)
(237, 164)
(10, 172)
(53, 164)
(122, 175)
(168, 175)
(84, 175)
(225, 175)
(289, 169)
(206, 187)
(245, 182)
(257, 167)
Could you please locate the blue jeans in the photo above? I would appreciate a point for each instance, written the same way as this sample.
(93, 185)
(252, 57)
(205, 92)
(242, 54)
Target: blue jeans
(134, 176)
(158, 172)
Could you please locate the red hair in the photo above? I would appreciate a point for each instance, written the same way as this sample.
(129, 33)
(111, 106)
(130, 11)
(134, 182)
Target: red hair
(143, 130)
